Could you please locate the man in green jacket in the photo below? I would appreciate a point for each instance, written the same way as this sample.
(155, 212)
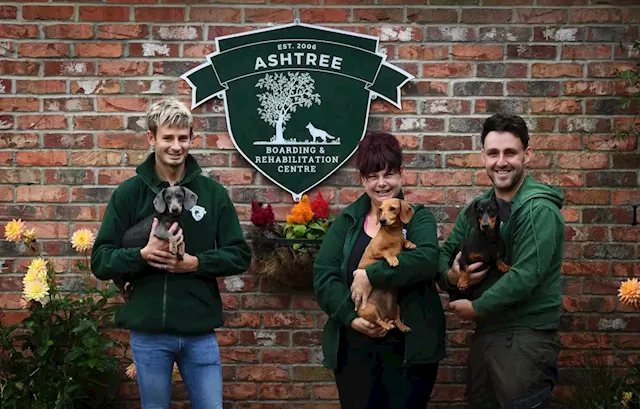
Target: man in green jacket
(175, 305)
(513, 356)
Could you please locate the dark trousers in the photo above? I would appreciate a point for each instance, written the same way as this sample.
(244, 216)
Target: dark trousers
(372, 376)
(512, 369)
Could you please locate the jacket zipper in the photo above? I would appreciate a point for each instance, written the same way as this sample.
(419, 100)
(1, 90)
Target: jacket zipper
(164, 303)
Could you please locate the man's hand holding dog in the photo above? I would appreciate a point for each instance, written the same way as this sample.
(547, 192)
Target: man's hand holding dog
(156, 254)
(475, 278)
(361, 288)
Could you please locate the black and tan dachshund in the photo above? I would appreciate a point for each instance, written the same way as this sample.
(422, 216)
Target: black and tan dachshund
(484, 243)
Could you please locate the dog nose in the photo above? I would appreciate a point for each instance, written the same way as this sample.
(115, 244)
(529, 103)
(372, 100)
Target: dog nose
(383, 221)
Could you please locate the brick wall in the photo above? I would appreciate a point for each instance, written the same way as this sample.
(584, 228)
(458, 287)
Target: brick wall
(76, 78)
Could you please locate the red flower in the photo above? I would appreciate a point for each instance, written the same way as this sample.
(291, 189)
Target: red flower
(320, 207)
(261, 216)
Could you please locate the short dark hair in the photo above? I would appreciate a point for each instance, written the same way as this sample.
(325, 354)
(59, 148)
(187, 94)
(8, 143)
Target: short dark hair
(378, 151)
(506, 123)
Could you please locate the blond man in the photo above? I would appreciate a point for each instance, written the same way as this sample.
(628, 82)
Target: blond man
(174, 306)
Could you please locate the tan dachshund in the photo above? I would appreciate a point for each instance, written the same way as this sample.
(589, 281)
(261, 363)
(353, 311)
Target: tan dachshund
(382, 305)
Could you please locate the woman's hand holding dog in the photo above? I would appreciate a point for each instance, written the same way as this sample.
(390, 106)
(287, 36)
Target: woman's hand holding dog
(361, 288)
(156, 254)
(475, 278)
(368, 328)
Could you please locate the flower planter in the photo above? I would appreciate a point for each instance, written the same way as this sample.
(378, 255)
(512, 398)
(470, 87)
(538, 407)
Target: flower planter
(286, 262)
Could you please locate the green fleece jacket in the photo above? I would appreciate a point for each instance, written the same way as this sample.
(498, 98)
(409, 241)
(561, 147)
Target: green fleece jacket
(415, 277)
(529, 294)
(187, 303)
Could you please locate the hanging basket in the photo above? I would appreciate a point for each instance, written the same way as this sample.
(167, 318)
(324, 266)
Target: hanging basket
(286, 262)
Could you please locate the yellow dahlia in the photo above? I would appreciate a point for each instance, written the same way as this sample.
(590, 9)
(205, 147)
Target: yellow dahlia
(35, 290)
(29, 236)
(82, 240)
(131, 371)
(14, 229)
(38, 266)
(629, 292)
(175, 374)
(34, 276)
(626, 398)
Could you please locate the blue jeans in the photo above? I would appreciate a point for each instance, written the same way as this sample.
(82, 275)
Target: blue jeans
(198, 359)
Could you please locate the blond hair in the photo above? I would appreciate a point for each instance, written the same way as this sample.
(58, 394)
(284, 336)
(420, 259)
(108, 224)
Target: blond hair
(169, 112)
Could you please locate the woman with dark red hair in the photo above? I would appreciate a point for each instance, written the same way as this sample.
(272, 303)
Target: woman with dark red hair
(373, 367)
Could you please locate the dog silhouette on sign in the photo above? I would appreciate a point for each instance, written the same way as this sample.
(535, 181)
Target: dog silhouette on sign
(317, 133)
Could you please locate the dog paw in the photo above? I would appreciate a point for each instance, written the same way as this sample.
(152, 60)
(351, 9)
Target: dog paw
(393, 261)
(409, 245)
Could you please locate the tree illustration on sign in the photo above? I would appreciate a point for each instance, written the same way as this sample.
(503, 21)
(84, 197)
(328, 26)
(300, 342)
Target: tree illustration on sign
(285, 94)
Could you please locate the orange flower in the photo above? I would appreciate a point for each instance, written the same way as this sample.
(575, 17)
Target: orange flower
(301, 213)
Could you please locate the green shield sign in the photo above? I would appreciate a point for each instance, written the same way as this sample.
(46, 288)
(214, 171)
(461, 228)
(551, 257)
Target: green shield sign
(296, 97)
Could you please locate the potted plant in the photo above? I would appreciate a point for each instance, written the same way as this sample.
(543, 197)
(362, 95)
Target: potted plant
(284, 254)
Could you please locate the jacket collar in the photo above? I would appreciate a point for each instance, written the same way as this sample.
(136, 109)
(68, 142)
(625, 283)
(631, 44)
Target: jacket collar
(147, 171)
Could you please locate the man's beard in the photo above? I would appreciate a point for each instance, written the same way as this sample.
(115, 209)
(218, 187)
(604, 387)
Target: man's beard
(516, 178)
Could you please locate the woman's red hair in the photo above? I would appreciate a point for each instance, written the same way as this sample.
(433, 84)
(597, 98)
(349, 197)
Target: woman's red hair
(378, 151)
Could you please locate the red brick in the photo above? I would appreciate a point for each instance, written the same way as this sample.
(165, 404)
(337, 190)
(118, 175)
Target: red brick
(376, 15)
(587, 268)
(22, 176)
(101, 13)
(396, 33)
(481, 16)
(537, 52)
(121, 68)
(18, 140)
(586, 233)
(502, 70)
(69, 68)
(594, 15)
(590, 197)
(47, 12)
(11, 104)
(431, 15)
(181, 32)
(543, 70)
(608, 69)
(286, 356)
(476, 52)
(98, 122)
(68, 177)
(160, 14)
(68, 141)
(41, 87)
(266, 302)
(68, 104)
(262, 373)
(43, 50)
(242, 320)
(96, 158)
(433, 196)
(626, 234)
(539, 15)
(283, 391)
(122, 31)
(626, 197)
(555, 106)
(153, 50)
(323, 15)
(8, 12)
(588, 304)
(240, 391)
(106, 50)
(6, 159)
(149, 87)
(42, 122)
(41, 158)
(42, 194)
(413, 52)
(233, 176)
(288, 320)
(588, 88)
(114, 176)
(122, 104)
(72, 31)
(378, 106)
(439, 178)
(585, 341)
(123, 141)
(447, 70)
(586, 52)
(626, 269)
(565, 179)
(95, 87)
(18, 31)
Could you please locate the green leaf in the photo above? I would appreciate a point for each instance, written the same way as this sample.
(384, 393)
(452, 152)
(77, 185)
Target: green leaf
(300, 230)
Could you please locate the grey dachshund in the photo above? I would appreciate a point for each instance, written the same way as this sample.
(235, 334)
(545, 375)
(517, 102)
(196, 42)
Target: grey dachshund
(168, 204)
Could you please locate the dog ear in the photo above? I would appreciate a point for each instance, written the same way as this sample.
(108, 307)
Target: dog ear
(406, 211)
(190, 198)
(472, 215)
(158, 202)
(504, 209)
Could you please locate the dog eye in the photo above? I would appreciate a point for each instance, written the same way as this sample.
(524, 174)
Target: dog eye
(393, 209)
